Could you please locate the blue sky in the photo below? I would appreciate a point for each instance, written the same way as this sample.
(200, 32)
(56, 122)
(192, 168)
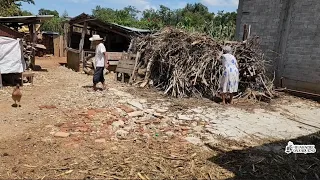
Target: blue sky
(76, 7)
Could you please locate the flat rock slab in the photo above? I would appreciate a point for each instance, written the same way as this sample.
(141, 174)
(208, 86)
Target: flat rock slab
(184, 117)
(100, 141)
(136, 114)
(136, 104)
(62, 134)
(194, 140)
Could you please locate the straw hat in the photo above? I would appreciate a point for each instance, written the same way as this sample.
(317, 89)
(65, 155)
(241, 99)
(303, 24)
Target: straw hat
(96, 38)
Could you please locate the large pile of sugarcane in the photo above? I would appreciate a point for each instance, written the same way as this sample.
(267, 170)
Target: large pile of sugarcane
(186, 64)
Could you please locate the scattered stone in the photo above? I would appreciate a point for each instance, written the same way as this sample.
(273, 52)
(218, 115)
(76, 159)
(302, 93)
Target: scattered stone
(136, 104)
(161, 110)
(128, 128)
(117, 124)
(197, 110)
(125, 108)
(170, 134)
(150, 111)
(49, 126)
(198, 128)
(146, 135)
(122, 101)
(143, 101)
(194, 140)
(212, 117)
(62, 134)
(100, 140)
(122, 134)
(46, 140)
(158, 115)
(184, 117)
(194, 124)
(136, 114)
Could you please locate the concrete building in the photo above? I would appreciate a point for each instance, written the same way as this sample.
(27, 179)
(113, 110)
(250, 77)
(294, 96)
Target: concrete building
(290, 38)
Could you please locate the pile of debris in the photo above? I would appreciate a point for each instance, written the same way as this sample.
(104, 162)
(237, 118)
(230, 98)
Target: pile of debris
(187, 64)
(27, 53)
(89, 66)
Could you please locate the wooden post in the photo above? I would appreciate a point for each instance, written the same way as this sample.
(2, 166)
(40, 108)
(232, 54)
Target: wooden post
(249, 31)
(130, 46)
(83, 35)
(33, 37)
(1, 81)
(245, 32)
(91, 45)
(132, 78)
(70, 35)
(65, 39)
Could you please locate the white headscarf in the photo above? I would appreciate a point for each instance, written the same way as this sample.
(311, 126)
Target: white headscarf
(227, 49)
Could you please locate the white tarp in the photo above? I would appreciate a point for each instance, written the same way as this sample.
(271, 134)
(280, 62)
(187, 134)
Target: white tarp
(11, 56)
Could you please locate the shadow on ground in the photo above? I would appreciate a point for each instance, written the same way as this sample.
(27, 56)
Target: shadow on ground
(39, 68)
(270, 161)
(90, 88)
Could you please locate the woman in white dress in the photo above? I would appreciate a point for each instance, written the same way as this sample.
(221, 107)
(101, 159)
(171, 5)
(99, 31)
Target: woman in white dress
(229, 80)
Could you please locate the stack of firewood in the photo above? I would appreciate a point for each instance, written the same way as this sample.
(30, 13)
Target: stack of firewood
(89, 66)
(186, 64)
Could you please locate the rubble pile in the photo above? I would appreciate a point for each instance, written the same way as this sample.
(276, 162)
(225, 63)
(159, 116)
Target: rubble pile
(187, 64)
(27, 53)
(89, 66)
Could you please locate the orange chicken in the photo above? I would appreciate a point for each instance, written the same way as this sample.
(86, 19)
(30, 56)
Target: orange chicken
(16, 95)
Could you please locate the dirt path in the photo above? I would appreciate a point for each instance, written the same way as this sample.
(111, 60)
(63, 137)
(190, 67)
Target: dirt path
(127, 132)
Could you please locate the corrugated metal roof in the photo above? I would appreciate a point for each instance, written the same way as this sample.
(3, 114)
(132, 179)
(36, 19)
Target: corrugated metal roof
(111, 26)
(25, 19)
(50, 32)
(133, 29)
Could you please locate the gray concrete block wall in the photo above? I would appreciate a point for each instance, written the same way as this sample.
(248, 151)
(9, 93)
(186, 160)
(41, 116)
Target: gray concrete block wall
(290, 35)
(264, 18)
(301, 62)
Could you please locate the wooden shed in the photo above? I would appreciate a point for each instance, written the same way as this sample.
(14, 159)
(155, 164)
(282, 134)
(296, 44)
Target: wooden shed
(78, 31)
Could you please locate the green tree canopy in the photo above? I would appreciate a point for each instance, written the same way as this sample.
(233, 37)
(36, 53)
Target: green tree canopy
(193, 17)
(12, 7)
(48, 12)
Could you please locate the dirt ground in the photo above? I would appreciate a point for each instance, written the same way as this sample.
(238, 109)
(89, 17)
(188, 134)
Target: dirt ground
(109, 136)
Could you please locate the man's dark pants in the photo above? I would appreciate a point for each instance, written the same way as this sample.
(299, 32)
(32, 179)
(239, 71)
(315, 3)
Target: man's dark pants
(98, 75)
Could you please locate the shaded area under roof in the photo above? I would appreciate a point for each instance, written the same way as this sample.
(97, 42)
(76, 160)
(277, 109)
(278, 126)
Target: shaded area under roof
(26, 19)
(94, 23)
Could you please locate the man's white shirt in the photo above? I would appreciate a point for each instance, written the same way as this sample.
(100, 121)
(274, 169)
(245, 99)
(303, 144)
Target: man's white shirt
(99, 57)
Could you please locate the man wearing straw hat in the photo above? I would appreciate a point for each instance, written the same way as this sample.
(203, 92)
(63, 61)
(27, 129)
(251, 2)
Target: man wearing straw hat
(101, 61)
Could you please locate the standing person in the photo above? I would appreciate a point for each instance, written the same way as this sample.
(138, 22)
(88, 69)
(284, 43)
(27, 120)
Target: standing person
(229, 80)
(101, 61)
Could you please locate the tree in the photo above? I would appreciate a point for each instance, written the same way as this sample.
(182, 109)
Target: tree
(56, 23)
(12, 7)
(193, 17)
(48, 12)
(26, 13)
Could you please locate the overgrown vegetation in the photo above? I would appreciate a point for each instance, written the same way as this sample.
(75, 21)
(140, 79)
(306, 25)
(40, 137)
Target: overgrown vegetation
(13, 7)
(193, 17)
(56, 23)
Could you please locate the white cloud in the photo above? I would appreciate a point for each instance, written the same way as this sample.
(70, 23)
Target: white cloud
(226, 3)
(79, 1)
(139, 4)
